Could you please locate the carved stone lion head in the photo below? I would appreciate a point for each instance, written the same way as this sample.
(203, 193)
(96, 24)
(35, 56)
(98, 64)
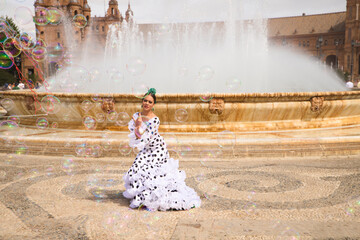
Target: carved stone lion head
(29, 103)
(216, 106)
(108, 105)
(316, 104)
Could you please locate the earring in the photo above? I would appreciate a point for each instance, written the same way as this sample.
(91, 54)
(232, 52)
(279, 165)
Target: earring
(141, 106)
(153, 109)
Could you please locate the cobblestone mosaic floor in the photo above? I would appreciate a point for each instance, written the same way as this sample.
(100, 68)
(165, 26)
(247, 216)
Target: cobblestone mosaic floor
(65, 197)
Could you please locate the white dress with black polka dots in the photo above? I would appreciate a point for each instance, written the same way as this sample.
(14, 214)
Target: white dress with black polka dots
(154, 179)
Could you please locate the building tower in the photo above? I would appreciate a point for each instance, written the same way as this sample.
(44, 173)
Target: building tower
(129, 14)
(113, 12)
(352, 33)
(54, 34)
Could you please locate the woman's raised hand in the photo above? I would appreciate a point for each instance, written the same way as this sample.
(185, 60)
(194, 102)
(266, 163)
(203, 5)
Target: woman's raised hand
(138, 121)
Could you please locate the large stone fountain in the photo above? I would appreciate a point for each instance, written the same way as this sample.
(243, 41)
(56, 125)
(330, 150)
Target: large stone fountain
(210, 78)
(190, 113)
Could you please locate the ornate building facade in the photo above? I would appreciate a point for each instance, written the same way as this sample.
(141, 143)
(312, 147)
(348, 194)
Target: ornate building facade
(59, 35)
(333, 38)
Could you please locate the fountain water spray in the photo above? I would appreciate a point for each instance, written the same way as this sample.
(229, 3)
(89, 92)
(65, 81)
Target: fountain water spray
(220, 57)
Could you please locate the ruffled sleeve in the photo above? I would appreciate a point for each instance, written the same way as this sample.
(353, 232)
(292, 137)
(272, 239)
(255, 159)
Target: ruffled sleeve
(138, 143)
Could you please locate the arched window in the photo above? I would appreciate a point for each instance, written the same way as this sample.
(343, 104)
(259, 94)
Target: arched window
(103, 28)
(76, 12)
(112, 11)
(87, 18)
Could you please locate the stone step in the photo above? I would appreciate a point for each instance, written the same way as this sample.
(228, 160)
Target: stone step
(185, 149)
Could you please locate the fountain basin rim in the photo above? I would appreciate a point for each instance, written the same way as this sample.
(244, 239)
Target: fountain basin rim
(195, 97)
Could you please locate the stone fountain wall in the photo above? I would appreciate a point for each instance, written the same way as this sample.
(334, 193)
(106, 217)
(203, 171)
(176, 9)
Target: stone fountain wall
(234, 112)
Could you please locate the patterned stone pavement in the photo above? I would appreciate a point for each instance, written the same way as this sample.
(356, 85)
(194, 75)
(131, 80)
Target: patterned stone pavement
(65, 197)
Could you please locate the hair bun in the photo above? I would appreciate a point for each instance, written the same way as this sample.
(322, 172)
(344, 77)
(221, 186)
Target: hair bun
(152, 90)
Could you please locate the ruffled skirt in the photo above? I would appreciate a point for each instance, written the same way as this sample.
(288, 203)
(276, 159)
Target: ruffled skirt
(159, 186)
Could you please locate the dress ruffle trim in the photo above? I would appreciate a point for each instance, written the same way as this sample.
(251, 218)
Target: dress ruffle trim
(135, 142)
(161, 188)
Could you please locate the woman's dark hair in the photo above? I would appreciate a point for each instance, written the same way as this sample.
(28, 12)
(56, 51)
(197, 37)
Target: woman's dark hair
(152, 93)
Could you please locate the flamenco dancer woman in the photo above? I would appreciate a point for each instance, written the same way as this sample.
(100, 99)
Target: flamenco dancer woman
(154, 180)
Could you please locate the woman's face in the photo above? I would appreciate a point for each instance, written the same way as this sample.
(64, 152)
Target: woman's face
(148, 103)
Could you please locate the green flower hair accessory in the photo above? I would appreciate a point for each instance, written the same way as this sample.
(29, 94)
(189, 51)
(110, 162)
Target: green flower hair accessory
(152, 90)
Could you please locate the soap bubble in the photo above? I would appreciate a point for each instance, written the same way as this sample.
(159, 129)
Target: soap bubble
(50, 104)
(55, 52)
(233, 84)
(68, 164)
(49, 170)
(80, 21)
(80, 150)
(6, 61)
(21, 149)
(100, 117)
(14, 118)
(181, 115)
(206, 156)
(24, 41)
(42, 123)
(206, 97)
(96, 98)
(185, 149)
(163, 28)
(23, 15)
(9, 46)
(123, 119)
(116, 76)
(39, 54)
(353, 207)
(139, 90)
(89, 122)
(200, 177)
(8, 125)
(136, 66)
(3, 35)
(54, 16)
(112, 116)
(86, 105)
(120, 224)
(226, 139)
(7, 103)
(95, 75)
(41, 16)
(206, 73)
(107, 144)
(97, 151)
(124, 149)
